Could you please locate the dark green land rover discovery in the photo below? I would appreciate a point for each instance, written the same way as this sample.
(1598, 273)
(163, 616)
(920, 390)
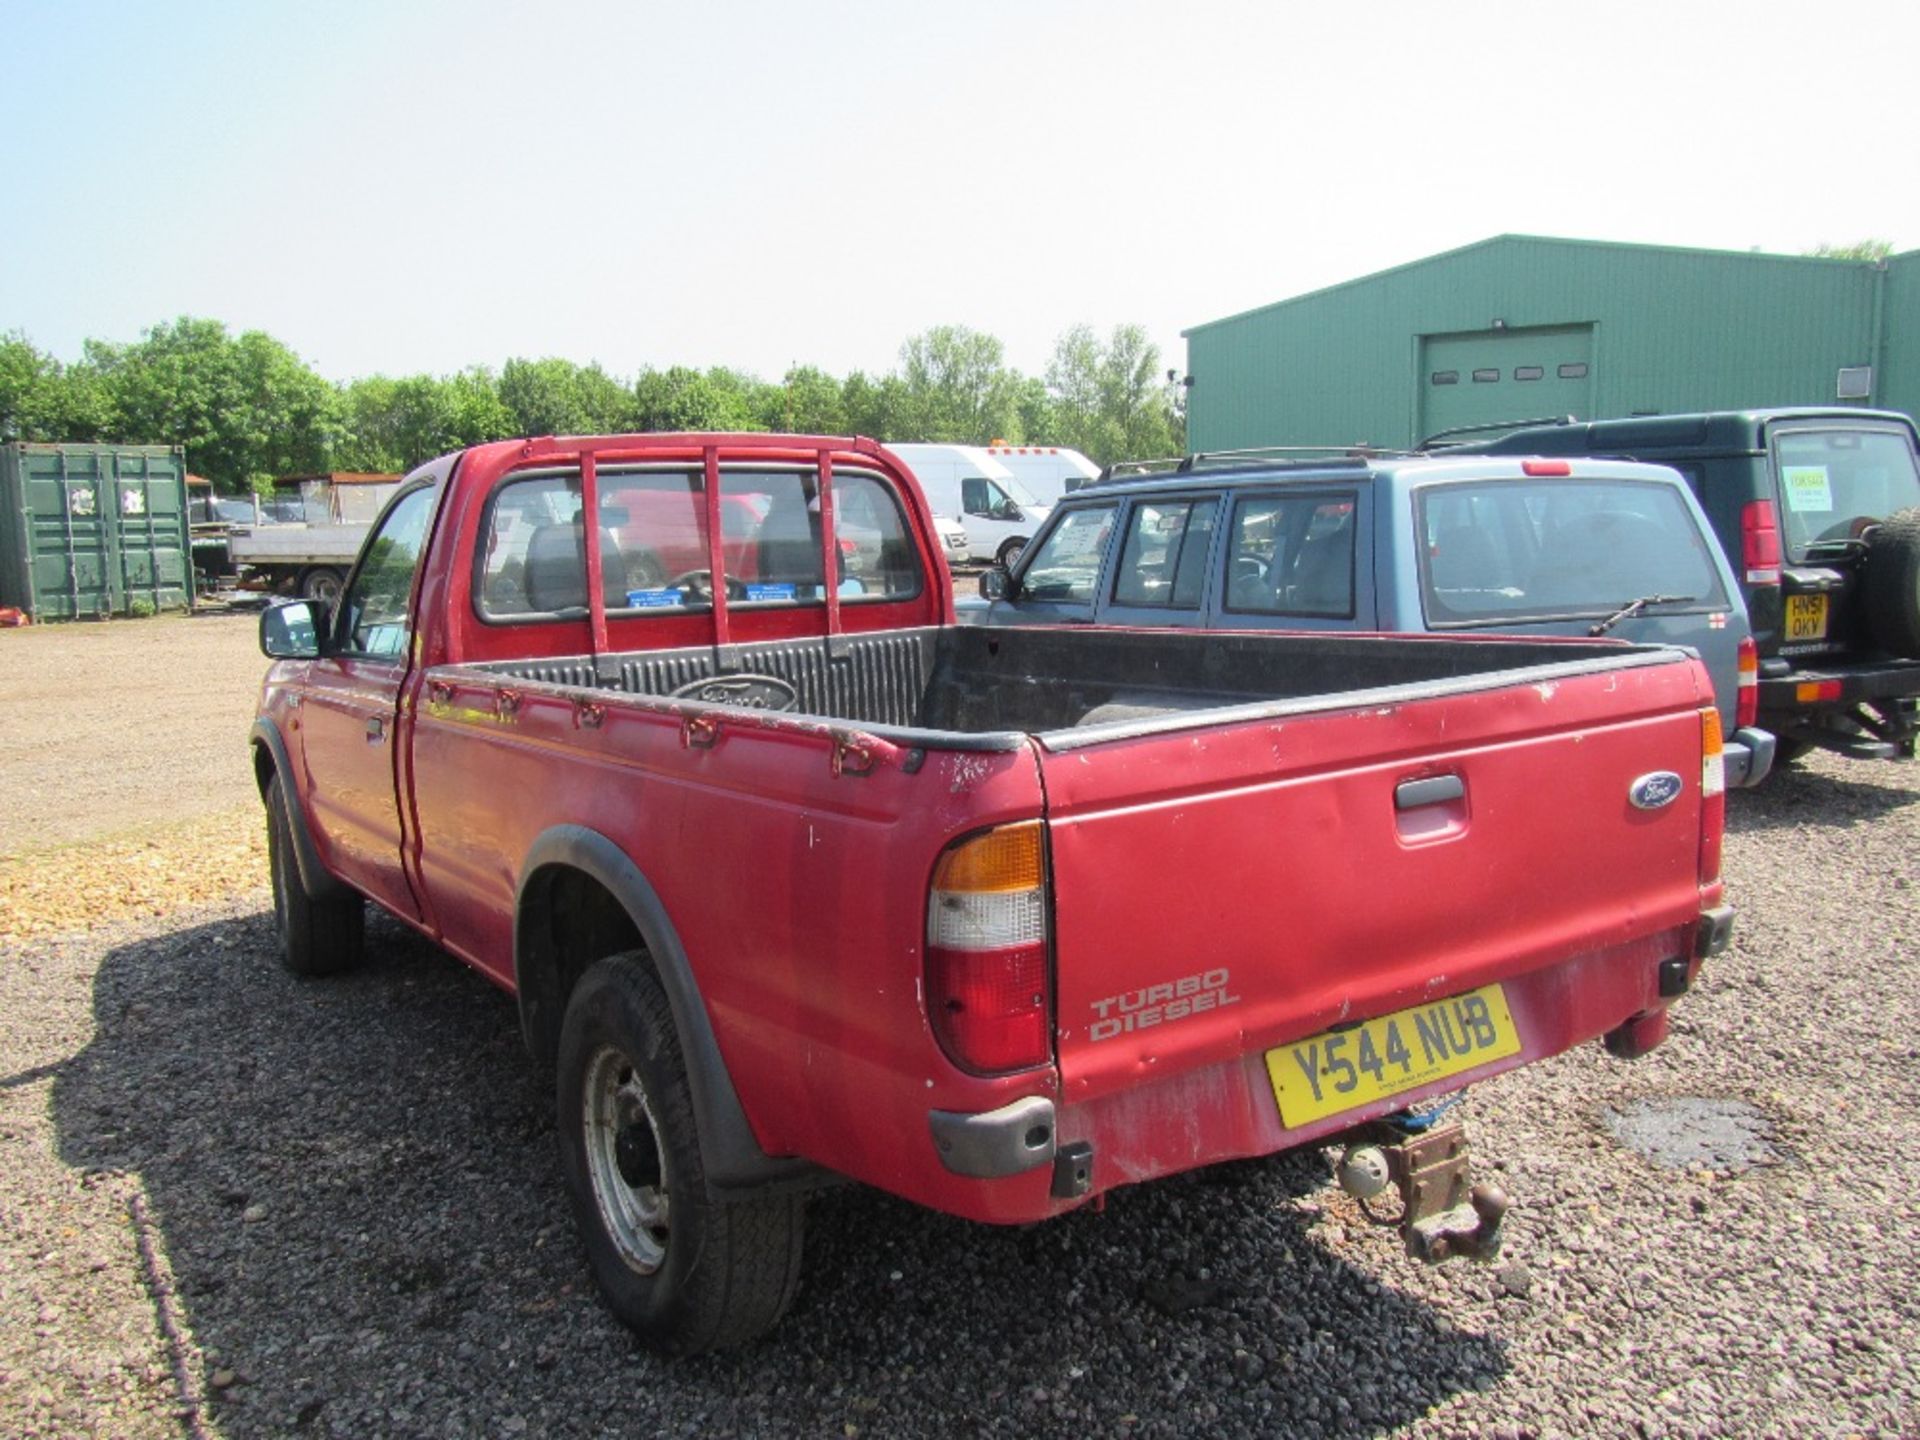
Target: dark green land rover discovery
(1819, 513)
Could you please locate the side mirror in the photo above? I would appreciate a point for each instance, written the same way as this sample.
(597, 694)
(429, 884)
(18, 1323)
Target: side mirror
(292, 631)
(996, 583)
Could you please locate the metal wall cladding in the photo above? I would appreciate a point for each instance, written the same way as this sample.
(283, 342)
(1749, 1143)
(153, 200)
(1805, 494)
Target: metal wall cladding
(94, 530)
(1667, 330)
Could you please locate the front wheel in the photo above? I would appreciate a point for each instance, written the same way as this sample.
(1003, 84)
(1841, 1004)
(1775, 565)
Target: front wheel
(685, 1269)
(319, 935)
(1008, 555)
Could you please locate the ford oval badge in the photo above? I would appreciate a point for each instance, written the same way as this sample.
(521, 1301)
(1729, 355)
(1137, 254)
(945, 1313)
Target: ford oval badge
(756, 692)
(1650, 792)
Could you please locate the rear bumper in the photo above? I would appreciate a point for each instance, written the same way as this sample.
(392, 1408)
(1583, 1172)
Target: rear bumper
(1869, 711)
(1874, 680)
(1747, 757)
(1038, 1157)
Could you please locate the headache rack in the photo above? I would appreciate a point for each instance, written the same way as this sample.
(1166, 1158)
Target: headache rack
(1316, 457)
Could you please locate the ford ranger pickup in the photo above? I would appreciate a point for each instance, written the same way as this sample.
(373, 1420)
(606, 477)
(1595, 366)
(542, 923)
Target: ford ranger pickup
(793, 879)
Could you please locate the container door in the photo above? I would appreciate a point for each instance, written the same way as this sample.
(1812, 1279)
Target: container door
(68, 558)
(146, 533)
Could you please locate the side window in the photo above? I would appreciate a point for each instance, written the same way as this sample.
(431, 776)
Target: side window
(1292, 555)
(976, 496)
(1163, 563)
(877, 558)
(373, 613)
(1065, 566)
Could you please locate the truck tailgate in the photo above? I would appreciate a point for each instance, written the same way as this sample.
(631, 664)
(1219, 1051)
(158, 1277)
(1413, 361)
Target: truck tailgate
(1222, 890)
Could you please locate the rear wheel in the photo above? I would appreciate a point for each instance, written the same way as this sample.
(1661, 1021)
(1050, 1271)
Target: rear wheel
(318, 935)
(1892, 584)
(687, 1270)
(320, 582)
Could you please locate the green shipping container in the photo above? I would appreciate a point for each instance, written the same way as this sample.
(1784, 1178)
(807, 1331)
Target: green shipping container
(94, 530)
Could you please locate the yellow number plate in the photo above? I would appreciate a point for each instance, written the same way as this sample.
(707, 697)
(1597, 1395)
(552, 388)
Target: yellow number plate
(1340, 1070)
(1806, 617)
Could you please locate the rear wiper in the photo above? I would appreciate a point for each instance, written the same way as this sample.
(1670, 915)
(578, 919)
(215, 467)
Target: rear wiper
(1633, 608)
(1841, 545)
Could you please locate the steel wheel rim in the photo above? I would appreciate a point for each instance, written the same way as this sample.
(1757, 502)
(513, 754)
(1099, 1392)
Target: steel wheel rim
(620, 1130)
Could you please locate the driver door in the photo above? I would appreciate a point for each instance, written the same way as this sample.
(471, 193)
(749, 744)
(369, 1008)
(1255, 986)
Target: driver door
(350, 705)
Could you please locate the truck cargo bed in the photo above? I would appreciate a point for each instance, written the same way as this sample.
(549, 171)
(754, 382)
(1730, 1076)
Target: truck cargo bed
(973, 687)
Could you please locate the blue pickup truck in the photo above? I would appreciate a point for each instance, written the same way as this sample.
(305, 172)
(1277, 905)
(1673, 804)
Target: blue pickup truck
(1451, 545)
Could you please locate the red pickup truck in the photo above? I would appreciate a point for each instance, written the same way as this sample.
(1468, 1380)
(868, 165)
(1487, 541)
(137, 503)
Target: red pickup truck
(794, 878)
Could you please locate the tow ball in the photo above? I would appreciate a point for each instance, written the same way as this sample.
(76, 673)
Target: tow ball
(1442, 1214)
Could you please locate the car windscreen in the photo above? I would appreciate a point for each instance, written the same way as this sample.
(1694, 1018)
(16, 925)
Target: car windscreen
(1065, 564)
(1528, 550)
(1833, 483)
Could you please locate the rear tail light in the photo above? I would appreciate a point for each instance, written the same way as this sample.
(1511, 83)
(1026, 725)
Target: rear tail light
(1713, 797)
(1760, 543)
(989, 993)
(1746, 702)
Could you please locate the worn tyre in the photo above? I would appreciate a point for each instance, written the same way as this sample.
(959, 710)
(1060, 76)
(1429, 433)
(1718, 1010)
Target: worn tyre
(318, 935)
(1892, 584)
(686, 1270)
(322, 583)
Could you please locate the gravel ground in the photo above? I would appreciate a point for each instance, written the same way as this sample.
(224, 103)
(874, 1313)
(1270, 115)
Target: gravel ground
(236, 1204)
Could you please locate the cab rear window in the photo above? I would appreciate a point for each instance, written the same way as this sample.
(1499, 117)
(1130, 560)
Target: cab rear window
(654, 546)
(1559, 548)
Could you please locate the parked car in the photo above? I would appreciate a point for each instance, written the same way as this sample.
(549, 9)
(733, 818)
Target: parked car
(1822, 508)
(793, 882)
(1446, 546)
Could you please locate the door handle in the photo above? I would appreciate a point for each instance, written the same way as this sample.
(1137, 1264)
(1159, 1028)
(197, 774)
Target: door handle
(1435, 790)
(376, 729)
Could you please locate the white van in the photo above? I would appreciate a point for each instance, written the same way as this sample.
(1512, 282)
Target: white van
(964, 483)
(1050, 472)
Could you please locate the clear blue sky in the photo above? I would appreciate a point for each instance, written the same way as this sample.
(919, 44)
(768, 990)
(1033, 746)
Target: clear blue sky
(394, 187)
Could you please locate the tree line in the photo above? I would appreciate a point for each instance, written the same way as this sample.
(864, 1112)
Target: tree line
(247, 409)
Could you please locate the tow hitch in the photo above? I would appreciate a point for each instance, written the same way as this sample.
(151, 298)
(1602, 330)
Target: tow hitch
(1442, 1214)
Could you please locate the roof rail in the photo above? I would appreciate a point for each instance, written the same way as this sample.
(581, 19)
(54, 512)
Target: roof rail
(1427, 444)
(1319, 455)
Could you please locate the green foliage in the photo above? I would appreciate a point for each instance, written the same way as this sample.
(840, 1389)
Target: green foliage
(247, 408)
(807, 402)
(237, 405)
(1858, 250)
(1112, 399)
(558, 397)
(684, 399)
(957, 388)
(41, 399)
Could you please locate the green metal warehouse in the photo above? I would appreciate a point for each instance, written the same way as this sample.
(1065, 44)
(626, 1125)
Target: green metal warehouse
(1521, 327)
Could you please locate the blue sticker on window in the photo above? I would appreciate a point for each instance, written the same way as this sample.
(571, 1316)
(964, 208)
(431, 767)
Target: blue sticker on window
(653, 599)
(770, 592)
